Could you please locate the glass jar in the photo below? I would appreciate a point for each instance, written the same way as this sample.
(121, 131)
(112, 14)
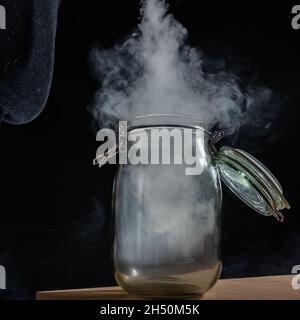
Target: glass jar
(167, 222)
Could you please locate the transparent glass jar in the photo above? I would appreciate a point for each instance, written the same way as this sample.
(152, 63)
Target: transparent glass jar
(168, 222)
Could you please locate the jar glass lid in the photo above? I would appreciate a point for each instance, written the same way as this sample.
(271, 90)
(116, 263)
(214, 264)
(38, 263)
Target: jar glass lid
(251, 181)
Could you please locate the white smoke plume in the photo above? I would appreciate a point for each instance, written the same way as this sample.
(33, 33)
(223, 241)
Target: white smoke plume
(156, 72)
(166, 217)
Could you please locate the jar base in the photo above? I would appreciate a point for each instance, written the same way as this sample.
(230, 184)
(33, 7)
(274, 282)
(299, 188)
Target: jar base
(163, 289)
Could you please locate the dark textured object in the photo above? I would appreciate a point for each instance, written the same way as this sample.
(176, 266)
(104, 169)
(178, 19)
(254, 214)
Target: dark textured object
(26, 58)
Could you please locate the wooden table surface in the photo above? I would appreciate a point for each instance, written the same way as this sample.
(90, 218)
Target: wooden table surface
(262, 288)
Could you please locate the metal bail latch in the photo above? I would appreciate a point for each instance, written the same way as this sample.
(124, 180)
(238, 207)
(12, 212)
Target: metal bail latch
(102, 159)
(216, 136)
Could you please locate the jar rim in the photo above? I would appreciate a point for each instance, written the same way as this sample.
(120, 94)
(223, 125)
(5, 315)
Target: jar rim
(169, 120)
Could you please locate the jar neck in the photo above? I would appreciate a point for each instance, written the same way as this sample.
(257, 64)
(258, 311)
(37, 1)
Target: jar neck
(168, 121)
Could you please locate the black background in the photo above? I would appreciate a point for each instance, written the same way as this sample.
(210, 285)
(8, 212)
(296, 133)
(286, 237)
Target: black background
(55, 206)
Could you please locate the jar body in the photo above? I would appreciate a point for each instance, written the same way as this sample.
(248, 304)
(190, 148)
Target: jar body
(167, 228)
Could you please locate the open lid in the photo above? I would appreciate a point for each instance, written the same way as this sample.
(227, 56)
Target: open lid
(251, 181)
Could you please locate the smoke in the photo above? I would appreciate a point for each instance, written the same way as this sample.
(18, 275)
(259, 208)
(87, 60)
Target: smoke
(163, 228)
(155, 71)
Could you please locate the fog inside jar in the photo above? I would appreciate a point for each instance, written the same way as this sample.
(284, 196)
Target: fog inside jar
(166, 216)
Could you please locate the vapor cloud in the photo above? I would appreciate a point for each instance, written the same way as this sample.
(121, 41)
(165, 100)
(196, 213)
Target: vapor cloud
(156, 71)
